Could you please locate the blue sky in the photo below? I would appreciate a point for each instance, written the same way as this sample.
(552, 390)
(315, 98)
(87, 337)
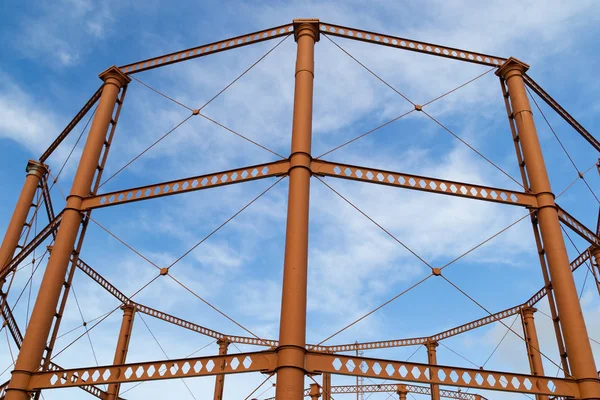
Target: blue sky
(51, 58)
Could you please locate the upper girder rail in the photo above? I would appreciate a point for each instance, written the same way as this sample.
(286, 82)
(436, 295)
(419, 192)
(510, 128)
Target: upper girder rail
(415, 182)
(207, 49)
(411, 45)
(393, 388)
(438, 374)
(577, 227)
(185, 185)
(155, 370)
(561, 111)
(84, 110)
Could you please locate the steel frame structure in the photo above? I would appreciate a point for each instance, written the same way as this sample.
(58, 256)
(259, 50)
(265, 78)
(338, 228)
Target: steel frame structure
(289, 357)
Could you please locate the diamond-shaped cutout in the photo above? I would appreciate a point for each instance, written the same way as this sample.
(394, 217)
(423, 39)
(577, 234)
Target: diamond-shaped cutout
(166, 188)
(503, 196)
(128, 373)
(151, 370)
(162, 370)
(197, 366)
(157, 190)
(85, 376)
(204, 182)
(389, 369)
(401, 180)
(63, 378)
(234, 176)
(347, 172)
(416, 372)
(515, 382)
(479, 379)
(337, 364)
(427, 373)
(254, 172)
(423, 184)
(195, 183)
(441, 375)
(224, 178)
(350, 365)
(390, 179)
(265, 170)
(186, 367)
(211, 364)
(369, 175)
(466, 377)
(443, 186)
(454, 376)
(513, 197)
(174, 368)
(473, 191)
(377, 368)
(463, 190)
(53, 379)
(412, 182)
(493, 194)
(433, 185)
(503, 381)
(139, 371)
(185, 185)
(551, 386)
(247, 362)
(380, 177)
(364, 367)
(403, 371)
(234, 363)
(527, 383)
(245, 174)
(484, 192)
(453, 189)
(491, 380)
(337, 170)
(358, 173)
(106, 374)
(95, 375)
(214, 180)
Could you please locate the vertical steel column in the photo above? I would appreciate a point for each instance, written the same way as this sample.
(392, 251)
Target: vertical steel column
(292, 329)
(432, 360)
(34, 342)
(583, 367)
(220, 378)
(595, 250)
(326, 386)
(35, 172)
(314, 392)
(122, 347)
(533, 346)
(402, 392)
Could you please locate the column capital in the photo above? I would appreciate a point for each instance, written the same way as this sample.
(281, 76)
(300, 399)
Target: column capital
(512, 64)
(431, 344)
(306, 26)
(36, 168)
(528, 311)
(127, 308)
(116, 74)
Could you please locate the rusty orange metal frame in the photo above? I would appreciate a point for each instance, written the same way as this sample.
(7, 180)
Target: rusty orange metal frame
(411, 45)
(186, 185)
(206, 49)
(438, 374)
(422, 183)
(578, 227)
(262, 361)
(393, 388)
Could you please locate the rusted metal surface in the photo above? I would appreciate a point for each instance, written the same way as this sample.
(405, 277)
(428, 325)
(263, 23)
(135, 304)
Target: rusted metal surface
(155, 370)
(206, 49)
(578, 227)
(454, 376)
(422, 183)
(411, 45)
(186, 185)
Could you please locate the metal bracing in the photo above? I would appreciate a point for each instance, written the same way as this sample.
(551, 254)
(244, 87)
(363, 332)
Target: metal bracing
(290, 357)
